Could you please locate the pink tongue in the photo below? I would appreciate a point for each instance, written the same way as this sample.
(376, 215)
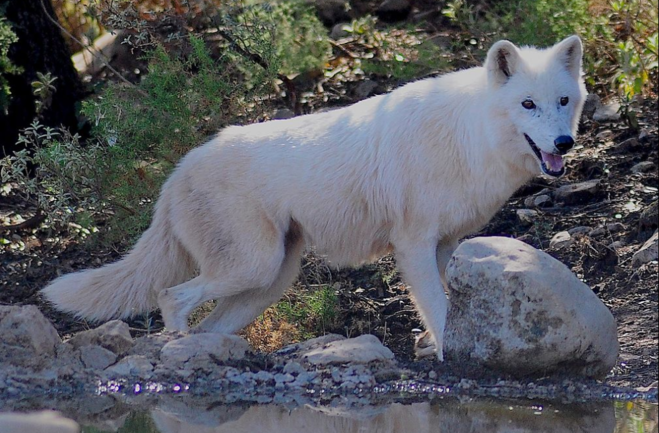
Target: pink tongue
(553, 162)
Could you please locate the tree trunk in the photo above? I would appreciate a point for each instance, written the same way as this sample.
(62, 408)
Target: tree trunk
(40, 48)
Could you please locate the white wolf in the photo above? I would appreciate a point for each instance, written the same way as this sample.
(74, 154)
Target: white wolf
(412, 172)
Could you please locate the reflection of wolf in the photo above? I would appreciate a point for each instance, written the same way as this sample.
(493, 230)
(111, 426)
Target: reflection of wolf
(411, 172)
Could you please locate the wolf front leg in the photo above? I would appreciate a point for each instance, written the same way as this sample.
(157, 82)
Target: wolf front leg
(418, 263)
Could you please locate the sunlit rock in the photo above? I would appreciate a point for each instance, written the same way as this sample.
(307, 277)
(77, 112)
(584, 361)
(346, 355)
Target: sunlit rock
(113, 336)
(519, 310)
(27, 338)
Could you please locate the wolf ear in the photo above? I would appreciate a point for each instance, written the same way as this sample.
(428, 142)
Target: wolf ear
(502, 62)
(569, 52)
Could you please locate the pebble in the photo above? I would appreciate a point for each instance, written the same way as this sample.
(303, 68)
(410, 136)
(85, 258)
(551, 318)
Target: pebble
(527, 216)
(284, 378)
(579, 230)
(264, 376)
(607, 113)
(605, 135)
(561, 240)
(293, 367)
(643, 167)
(616, 245)
(542, 201)
(608, 228)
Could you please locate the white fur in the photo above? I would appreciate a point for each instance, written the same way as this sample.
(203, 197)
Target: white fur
(412, 171)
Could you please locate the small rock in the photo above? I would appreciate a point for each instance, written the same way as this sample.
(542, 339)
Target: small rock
(37, 422)
(363, 349)
(293, 367)
(592, 103)
(648, 388)
(284, 378)
(605, 135)
(542, 200)
(365, 89)
(296, 350)
(331, 11)
(264, 376)
(28, 338)
(648, 252)
(113, 335)
(579, 230)
(607, 113)
(283, 113)
(649, 219)
(517, 309)
(527, 216)
(204, 348)
(561, 240)
(339, 31)
(393, 10)
(616, 245)
(643, 167)
(629, 144)
(643, 135)
(96, 357)
(606, 229)
(131, 366)
(577, 193)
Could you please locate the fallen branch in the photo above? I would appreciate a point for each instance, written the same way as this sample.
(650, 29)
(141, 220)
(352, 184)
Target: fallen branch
(29, 223)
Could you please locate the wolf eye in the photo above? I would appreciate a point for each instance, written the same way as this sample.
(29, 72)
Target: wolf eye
(564, 101)
(528, 104)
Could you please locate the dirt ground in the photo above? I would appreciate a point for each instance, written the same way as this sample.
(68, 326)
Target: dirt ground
(373, 299)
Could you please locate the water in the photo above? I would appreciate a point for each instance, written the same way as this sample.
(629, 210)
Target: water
(393, 407)
(187, 413)
(445, 416)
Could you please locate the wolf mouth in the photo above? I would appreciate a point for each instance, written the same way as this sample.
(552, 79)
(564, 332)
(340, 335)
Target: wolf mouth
(550, 163)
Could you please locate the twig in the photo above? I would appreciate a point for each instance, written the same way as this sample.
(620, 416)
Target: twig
(32, 222)
(343, 49)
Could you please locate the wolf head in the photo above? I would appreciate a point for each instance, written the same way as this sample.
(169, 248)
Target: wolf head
(540, 93)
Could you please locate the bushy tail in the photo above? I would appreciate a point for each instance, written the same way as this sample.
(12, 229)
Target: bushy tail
(129, 286)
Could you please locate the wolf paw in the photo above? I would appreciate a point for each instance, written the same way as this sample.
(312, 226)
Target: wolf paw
(424, 346)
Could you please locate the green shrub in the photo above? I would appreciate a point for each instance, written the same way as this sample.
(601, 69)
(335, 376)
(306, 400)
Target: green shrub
(620, 37)
(300, 38)
(312, 311)
(7, 37)
(139, 133)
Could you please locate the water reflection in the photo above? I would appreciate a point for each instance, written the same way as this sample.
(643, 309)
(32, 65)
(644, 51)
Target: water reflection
(179, 416)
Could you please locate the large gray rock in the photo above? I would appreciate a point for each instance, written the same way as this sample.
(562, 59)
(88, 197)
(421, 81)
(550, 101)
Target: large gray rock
(113, 336)
(516, 309)
(203, 348)
(27, 338)
(359, 350)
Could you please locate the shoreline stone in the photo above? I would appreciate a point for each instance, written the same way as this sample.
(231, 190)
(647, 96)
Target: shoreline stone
(518, 310)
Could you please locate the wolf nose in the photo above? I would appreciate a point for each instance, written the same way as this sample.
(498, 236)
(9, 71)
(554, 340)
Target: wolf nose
(564, 143)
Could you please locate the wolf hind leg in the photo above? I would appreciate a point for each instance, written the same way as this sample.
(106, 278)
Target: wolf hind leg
(252, 260)
(235, 312)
